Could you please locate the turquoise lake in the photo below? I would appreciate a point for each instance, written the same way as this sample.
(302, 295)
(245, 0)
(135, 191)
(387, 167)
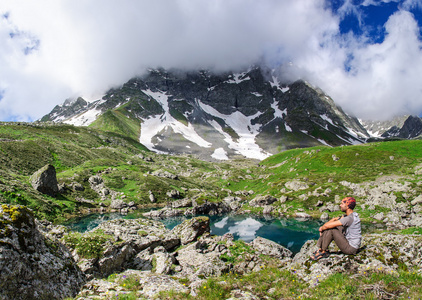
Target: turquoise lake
(288, 232)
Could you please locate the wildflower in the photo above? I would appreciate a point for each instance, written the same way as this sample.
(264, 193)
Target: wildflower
(205, 287)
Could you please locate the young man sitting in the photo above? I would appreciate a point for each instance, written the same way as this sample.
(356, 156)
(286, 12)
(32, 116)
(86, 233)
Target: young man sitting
(345, 231)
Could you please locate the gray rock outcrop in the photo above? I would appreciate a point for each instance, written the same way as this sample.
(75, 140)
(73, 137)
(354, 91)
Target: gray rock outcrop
(45, 181)
(32, 265)
(191, 229)
(202, 258)
(150, 285)
(208, 208)
(118, 204)
(97, 184)
(267, 247)
(385, 252)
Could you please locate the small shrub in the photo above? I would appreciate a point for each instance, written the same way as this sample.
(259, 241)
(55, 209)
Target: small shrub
(87, 245)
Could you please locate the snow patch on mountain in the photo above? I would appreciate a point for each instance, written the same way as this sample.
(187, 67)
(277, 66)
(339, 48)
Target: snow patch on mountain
(242, 125)
(326, 118)
(324, 142)
(277, 112)
(276, 83)
(155, 124)
(238, 78)
(220, 154)
(85, 118)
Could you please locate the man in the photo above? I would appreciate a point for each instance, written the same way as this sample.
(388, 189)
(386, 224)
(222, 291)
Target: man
(345, 231)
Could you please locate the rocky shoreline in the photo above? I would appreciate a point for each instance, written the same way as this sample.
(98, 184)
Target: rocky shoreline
(42, 260)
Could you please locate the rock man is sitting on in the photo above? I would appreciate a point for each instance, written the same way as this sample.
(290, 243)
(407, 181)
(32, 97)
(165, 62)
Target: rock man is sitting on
(345, 231)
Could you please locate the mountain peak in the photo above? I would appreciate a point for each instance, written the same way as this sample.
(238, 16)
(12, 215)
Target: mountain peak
(412, 127)
(217, 116)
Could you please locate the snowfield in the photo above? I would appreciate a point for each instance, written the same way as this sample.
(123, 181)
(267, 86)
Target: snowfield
(243, 127)
(155, 124)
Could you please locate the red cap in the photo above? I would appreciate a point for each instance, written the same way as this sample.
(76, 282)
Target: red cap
(350, 201)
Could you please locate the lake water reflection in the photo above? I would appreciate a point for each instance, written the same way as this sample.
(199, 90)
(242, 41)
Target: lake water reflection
(288, 232)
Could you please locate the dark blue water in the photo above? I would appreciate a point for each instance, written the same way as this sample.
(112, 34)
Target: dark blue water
(290, 233)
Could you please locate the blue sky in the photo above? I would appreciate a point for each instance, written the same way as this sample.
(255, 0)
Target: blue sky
(366, 54)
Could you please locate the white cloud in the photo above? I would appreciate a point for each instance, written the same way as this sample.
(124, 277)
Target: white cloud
(76, 47)
(383, 79)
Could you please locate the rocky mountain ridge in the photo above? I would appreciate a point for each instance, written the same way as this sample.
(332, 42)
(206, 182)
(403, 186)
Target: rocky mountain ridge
(250, 114)
(404, 127)
(411, 128)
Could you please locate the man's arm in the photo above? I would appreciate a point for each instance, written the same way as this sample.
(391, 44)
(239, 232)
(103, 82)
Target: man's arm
(331, 224)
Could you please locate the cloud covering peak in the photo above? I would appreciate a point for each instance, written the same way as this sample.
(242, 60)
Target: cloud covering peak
(51, 50)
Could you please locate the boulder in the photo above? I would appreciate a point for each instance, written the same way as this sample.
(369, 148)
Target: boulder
(142, 261)
(202, 258)
(163, 260)
(417, 200)
(32, 265)
(45, 181)
(97, 184)
(296, 185)
(262, 200)
(191, 229)
(113, 259)
(118, 204)
(267, 247)
(95, 181)
(233, 202)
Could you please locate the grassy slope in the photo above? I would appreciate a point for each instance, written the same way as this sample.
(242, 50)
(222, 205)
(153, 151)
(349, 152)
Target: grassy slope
(78, 153)
(316, 167)
(120, 121)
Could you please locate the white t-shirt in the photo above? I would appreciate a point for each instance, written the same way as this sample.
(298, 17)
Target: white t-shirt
(352, 229)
